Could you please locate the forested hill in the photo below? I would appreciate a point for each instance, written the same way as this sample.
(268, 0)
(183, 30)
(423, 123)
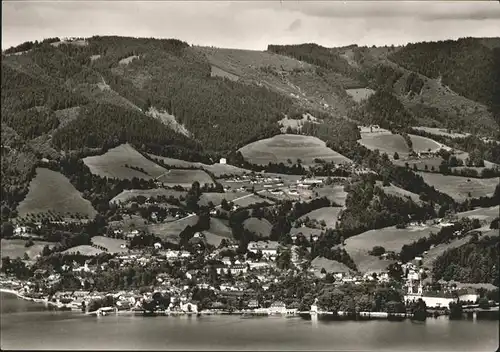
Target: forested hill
(468, 66)
(450, 84)
(198, 104)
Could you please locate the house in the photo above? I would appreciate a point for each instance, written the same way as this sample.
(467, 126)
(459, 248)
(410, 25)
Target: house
(268, 248)
(253, 304)
(222, 161)
(277, 307)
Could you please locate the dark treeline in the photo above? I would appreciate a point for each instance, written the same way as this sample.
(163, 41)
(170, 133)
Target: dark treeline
(474, 262)
(28, 45)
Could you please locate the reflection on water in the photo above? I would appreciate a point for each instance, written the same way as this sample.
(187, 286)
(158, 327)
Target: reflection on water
(25, 325)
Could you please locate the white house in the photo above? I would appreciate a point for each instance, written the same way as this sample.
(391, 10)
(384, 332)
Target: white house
(277, 307)
(268, 249)
(222, 161)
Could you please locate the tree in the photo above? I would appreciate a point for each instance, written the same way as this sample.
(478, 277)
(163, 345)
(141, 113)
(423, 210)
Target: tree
(396, 156)
(7, 230)
(377, 251)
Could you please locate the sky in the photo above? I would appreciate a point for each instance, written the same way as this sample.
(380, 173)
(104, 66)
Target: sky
(253, 24)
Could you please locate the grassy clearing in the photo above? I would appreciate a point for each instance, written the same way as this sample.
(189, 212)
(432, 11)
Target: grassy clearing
(128, 194)
(386, 143)
(245, 201)
(485, 214)
(334, 193)
(52, 192)
(218, 72)
(216, 198)
(170, 231)
(15, 248)
(391, 238)
(461, 188)
(423, 144)
(328, 214)
(113, 245)
(331, 266)
(112, 164)
(216, 169)
(261, 228)
(184, 178)
(84, 250)
(288, 146)
(221, 228)
(399, 192)
(360, 94)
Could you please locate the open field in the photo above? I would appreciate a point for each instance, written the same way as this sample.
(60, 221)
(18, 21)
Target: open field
(171, 230)
(112, 164)
(484, 214)
(328, 214)
(216, 169)
(442, 132)
(423, 144)
(385, 142)
(261, 228)
(334, 193)
(52, 191)
(282, 147)
(128, 194)
(216, 198)
(245, 201)
(15, 248)
(359, 94)
(331, 266)
(459, 187)
(84, 250)
(184, 178)
(113, 245)
(391, 238)
(400, 192)
(220, 228)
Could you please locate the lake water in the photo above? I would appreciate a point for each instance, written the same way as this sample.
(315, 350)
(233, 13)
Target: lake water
(28, 325)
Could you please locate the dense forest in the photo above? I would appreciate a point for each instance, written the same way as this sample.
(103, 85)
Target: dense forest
(104, 124)
(368, 207)
(475, 262)
(383, 109)
(466, 65)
